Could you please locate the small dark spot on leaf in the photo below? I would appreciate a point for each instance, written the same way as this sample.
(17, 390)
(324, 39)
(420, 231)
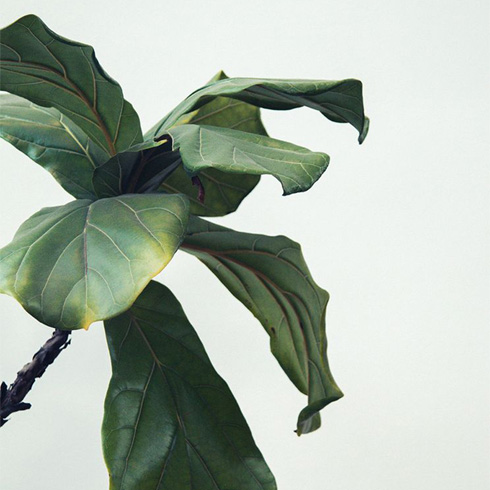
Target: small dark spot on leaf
(201, 193)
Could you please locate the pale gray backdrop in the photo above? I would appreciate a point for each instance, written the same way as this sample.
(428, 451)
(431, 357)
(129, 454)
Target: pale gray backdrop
(397, 230)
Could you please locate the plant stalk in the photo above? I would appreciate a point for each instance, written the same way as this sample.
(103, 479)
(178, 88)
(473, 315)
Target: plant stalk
(11, 398)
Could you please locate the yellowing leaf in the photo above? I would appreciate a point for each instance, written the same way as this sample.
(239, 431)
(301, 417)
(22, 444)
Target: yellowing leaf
(85, 261)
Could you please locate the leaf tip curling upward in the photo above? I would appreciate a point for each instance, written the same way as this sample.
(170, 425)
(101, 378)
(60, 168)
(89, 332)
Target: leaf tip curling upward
(365, 130)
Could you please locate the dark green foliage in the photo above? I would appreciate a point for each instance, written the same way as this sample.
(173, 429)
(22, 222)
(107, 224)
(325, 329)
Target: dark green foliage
(170, 421)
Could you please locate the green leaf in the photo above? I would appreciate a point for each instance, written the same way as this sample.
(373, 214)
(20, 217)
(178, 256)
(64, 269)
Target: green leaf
(85, 261)
(171, 422)
(339, 101)
(112, 177)
(135, 171)
(238, 152)
(270, 277)
(52, 71)
(224, 112)
(224, 192)
(53, 141)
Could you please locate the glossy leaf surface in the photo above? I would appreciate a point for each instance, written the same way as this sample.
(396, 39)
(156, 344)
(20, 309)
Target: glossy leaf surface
(270, 277)
(85, 261)
(53, 141)
(232, 151)
(52, 71)
(224, 191)
(339, 101)
(171, 422)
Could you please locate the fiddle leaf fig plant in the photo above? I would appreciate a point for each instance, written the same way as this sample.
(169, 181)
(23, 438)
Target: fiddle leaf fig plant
(170, 421)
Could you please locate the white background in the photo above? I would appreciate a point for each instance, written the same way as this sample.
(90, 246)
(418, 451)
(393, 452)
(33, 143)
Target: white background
(397, 230)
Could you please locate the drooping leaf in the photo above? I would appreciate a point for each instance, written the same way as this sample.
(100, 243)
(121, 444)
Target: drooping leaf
(52, 71)
(232, 151)
(171, 422)
(85, 261)
(53, 141)
(224, 192)
(339, 101)
(270, 277)
(219, 104)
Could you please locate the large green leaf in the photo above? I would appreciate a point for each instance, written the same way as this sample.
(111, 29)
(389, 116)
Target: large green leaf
(224, 191)
(52, 71)
(339, 101)
(86, 261)
(53, 141)
(270, 277)
(233, 151)
(171, 422)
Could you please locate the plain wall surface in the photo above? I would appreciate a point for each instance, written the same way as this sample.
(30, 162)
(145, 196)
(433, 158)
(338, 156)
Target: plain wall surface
(397, 230)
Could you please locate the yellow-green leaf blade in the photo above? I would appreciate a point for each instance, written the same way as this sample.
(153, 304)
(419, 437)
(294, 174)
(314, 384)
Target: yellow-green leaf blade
(72, 265)
(170, 421)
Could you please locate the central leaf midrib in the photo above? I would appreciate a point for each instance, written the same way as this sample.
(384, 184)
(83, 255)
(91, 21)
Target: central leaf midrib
(264, 278)
(285, 294)
(226, 254)
(159, 365)
(270, 284)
